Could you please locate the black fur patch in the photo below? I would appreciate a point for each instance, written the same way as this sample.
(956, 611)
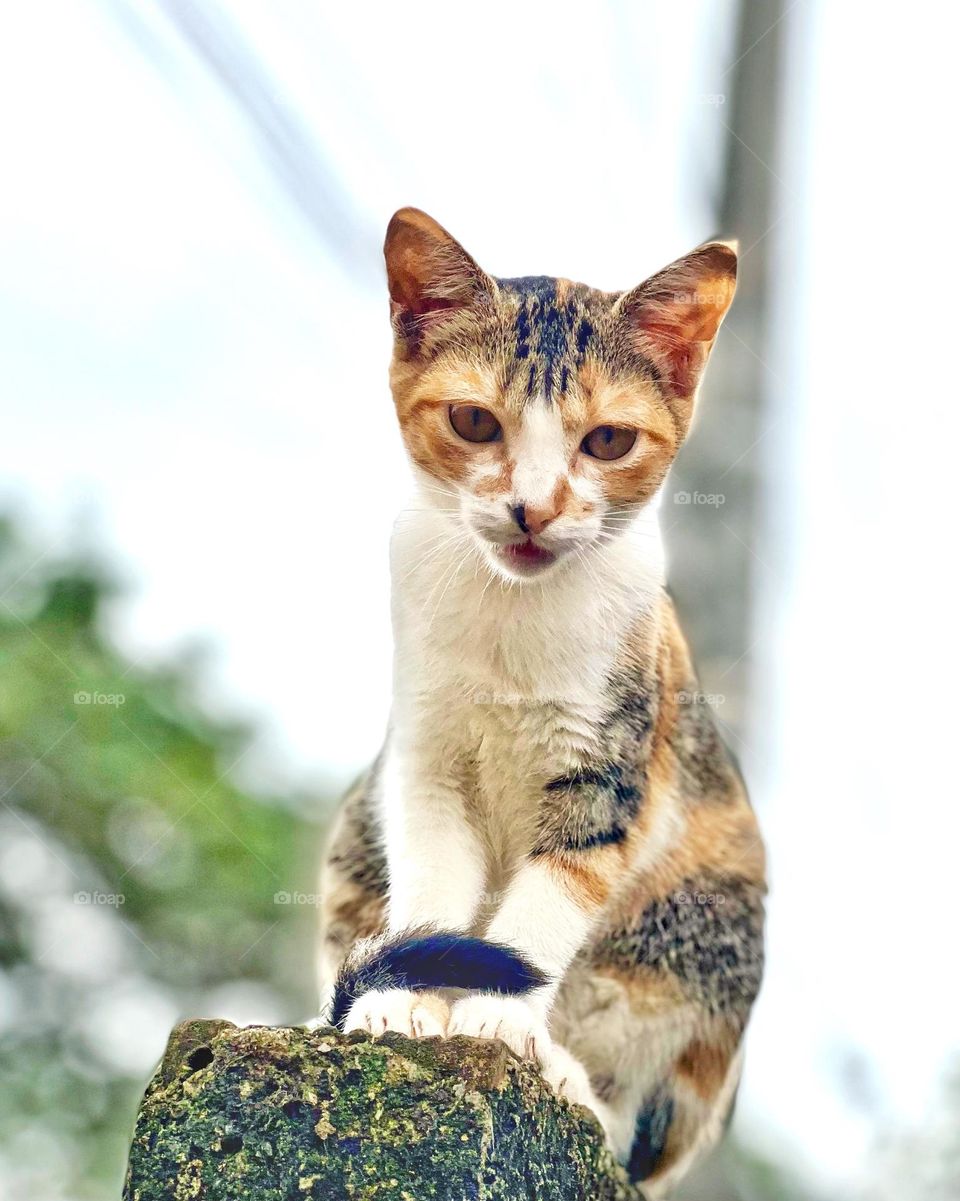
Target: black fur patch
(708, 934)
(596, 804)
(650, 1135)
(707, 768)
(358, 852)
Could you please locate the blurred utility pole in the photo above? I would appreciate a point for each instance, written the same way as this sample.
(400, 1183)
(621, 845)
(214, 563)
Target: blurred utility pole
(713, 561)
(715, 568)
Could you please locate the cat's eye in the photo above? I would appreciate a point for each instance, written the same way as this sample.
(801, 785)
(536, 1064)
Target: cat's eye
(474, 424)
(608, 442)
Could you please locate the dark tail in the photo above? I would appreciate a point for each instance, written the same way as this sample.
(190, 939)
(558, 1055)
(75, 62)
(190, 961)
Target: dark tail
(428, 959)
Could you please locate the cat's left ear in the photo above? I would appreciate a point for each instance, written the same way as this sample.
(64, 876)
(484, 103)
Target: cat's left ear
(673, 317)
(431, 276)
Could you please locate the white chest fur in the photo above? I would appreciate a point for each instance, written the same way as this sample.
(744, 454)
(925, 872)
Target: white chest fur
(509, 678)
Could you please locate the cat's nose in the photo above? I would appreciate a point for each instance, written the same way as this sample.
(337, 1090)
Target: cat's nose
(532, 519)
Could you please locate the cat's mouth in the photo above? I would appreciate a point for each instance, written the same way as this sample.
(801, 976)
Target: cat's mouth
(526, 558)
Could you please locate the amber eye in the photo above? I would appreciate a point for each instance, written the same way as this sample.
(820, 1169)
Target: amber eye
(608, 442)
(474, 424)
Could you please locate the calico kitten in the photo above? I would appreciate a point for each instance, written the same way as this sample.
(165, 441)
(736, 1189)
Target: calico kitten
(553, 827)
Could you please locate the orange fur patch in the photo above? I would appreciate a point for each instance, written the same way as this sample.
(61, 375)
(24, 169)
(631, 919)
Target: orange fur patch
(500, 484)
(650, 993)
(600, 398)
(704, 1067)
(588, 887)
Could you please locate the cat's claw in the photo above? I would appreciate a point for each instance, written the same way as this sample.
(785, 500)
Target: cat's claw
(507, 1018)
(415, 1014)
(567, 1076)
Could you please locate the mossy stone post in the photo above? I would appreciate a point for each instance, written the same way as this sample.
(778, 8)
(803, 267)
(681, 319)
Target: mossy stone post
(280, 1114)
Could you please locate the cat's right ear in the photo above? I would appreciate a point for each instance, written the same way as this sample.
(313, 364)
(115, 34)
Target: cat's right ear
(431, 277)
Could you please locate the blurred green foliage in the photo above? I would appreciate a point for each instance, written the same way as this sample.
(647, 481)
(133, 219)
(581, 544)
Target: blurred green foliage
(137, 881)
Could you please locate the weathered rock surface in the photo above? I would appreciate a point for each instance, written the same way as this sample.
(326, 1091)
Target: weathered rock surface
(288, 1114)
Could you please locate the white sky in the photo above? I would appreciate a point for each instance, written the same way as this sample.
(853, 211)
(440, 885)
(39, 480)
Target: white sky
(860, 599)
(183, 367)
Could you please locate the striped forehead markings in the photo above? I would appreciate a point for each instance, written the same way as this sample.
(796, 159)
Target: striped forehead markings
(561, 334)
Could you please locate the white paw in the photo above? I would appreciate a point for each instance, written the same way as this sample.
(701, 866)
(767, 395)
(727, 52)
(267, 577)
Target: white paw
(415, 1014)
(508, 1018)
(567, 1076)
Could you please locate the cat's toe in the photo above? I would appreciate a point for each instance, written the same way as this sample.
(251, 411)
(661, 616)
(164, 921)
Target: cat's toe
(507, 1018)
(417, 1015)
(567, 1076)
(429, 1016)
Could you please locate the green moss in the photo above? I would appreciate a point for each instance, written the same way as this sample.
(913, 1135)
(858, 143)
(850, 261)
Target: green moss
(273, 1113)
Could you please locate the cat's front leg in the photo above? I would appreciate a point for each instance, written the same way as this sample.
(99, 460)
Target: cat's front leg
(437, 872)
(546, 917)
(547, 914)
(557, 894)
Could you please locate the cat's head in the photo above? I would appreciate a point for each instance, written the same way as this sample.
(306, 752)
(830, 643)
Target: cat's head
(544, 413)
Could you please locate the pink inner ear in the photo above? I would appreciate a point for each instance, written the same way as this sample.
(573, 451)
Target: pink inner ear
(428, 282)
(429, 273)
(680, 360)
(412, 321)
(676, 327)
(409, 279)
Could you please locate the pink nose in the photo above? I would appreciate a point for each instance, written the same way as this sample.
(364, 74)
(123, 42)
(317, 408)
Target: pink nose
(532, 519)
